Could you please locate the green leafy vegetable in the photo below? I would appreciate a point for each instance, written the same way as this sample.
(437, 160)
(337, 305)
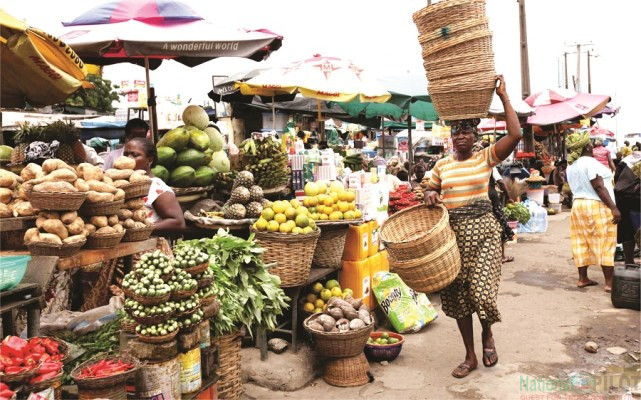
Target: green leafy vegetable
(517, 212)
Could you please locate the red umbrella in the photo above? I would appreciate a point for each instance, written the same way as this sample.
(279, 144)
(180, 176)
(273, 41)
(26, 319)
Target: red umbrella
(550, 109)
(144, 31)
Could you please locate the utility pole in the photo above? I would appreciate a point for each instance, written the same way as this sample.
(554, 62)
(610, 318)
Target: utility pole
(565, 56)
(578, 67)
(589, 75)
(525, 63)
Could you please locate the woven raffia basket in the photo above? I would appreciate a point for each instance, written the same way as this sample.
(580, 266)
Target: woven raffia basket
(57, 250)
(338, 344)
(138, 234)
(109, 208)
(422, 247)
(458, 57)
(137, 189)
(230, 385)
(182, 294)
(21, 377)
(56, 201)
(347, 372)
(128, 326)
(292, 254)
(112, 380)
(329, 250)
(157, 339)
(104, 240)
(151, 301)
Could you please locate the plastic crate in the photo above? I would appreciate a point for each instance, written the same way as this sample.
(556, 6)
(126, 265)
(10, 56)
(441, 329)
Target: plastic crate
(12, 269)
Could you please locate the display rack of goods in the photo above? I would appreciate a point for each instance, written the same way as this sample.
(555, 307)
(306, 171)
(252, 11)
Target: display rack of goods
(401, 199)
(69, 148)
(13, 199)
(342, 329)
(55, 186)
(191, 155)
(450, 32)
(265, 159)
(315, 301)
(289, 235)
(57, 233)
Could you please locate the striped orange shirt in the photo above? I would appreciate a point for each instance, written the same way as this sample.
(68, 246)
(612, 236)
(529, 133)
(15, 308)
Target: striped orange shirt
(464, 182)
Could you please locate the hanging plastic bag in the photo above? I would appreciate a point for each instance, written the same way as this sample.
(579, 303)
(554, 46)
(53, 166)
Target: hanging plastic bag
(538, 222)
(407, 310)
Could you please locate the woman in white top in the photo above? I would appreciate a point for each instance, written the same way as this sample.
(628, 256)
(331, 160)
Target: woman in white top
(594, 213)
(161, 203)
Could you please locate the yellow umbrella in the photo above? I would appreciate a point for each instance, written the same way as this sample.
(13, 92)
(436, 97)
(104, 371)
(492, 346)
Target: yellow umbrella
(321, 78)
(37, 68)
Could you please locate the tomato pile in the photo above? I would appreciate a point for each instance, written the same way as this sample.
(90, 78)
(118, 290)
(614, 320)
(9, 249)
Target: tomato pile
(19, 355)
(104, 368)
(5, 392)
(401, 198)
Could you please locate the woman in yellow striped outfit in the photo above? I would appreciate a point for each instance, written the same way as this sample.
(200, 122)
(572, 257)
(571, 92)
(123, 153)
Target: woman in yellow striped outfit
(594, 213)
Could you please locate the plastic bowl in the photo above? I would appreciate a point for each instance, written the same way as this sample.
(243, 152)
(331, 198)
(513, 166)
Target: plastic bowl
(386, 352)
(12, 270)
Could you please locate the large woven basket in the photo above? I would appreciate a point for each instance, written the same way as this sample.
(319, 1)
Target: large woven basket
(138, 234)
(137, 189)
(56, 201)
(347, 372)
(157, 339)
(422, 247)
(104, 241)
(20, 377)
(57, 250)
(98, 383)
(451, 33)
(292, 254)
(329, 250)
(230, 385)
(338, 344)
(109, 208)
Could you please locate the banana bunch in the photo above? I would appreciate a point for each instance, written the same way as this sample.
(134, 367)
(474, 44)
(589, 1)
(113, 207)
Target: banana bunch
(355, 162)
(225, 180)
(211, 214)
(265, 159)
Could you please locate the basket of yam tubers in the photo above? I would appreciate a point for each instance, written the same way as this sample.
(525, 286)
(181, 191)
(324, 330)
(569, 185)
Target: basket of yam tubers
(59, 234)
(103, 198)
(133, 217)
(13, 199)
(105, 231)
(342, 329)
(54, 186)
(135, 183)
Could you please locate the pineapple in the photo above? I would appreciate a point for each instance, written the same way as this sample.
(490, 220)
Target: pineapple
(235, 211)
(71, 149)
(28, 133)
(255, 193)
(244, 179)
(239, 195)
(254, 209)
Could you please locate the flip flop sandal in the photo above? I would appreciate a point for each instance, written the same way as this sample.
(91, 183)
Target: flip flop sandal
(487, 353)
(590, 283)
(462, 370)
(508, 259)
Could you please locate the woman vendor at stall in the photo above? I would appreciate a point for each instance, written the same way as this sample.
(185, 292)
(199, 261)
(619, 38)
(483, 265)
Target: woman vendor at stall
(460, 182)
(161, 203)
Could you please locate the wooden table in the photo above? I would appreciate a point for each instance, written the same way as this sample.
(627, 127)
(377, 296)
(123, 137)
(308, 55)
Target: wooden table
(315, 274)
(25, 295)
(17, 224)
(89, 257)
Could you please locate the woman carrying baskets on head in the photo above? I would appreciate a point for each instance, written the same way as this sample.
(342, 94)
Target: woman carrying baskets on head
(461, 182)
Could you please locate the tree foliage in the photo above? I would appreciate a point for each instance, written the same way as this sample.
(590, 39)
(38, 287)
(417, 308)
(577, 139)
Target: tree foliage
(99, 98)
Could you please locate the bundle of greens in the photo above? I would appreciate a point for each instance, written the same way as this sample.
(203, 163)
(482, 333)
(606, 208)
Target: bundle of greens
(517, 212)
(248, 294)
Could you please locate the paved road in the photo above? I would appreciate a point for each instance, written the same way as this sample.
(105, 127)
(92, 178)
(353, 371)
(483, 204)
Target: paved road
(546, 322)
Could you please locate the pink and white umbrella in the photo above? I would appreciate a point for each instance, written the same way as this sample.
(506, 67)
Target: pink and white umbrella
(550, 107)
(490, 124)
(601, 132)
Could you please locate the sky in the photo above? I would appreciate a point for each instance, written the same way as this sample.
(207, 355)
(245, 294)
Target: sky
(379, 35)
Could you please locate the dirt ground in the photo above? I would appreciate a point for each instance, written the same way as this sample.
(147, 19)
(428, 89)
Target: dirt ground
(546, 322)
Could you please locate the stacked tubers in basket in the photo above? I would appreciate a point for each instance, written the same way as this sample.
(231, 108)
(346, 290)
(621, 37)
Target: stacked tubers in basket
(99, 186)
(342, 316)
(133, 215)
(13, 200)
(57, 228)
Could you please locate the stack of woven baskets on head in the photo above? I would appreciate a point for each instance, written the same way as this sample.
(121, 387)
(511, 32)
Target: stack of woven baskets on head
(422, 247)
(458, 57)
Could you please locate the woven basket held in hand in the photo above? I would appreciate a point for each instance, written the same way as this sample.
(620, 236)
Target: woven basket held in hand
(347, 372)
(291, 253)
(230, 385)
(422, 247)
(458, 57)
(329, 249)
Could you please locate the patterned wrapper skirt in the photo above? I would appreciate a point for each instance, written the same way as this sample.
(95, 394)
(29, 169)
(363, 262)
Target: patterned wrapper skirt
(592, 233)
(475, 289)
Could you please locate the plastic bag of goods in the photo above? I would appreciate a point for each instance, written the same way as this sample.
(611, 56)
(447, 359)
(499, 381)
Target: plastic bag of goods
(538, 222)
(407, 310)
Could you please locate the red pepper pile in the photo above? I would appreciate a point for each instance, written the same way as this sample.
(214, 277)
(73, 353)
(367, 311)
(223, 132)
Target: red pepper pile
(5, 392)
(19, 355)
(105, 368)
(48, 370)
(401, 198)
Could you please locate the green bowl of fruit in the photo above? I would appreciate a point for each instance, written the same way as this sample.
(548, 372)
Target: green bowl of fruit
(383, 346)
